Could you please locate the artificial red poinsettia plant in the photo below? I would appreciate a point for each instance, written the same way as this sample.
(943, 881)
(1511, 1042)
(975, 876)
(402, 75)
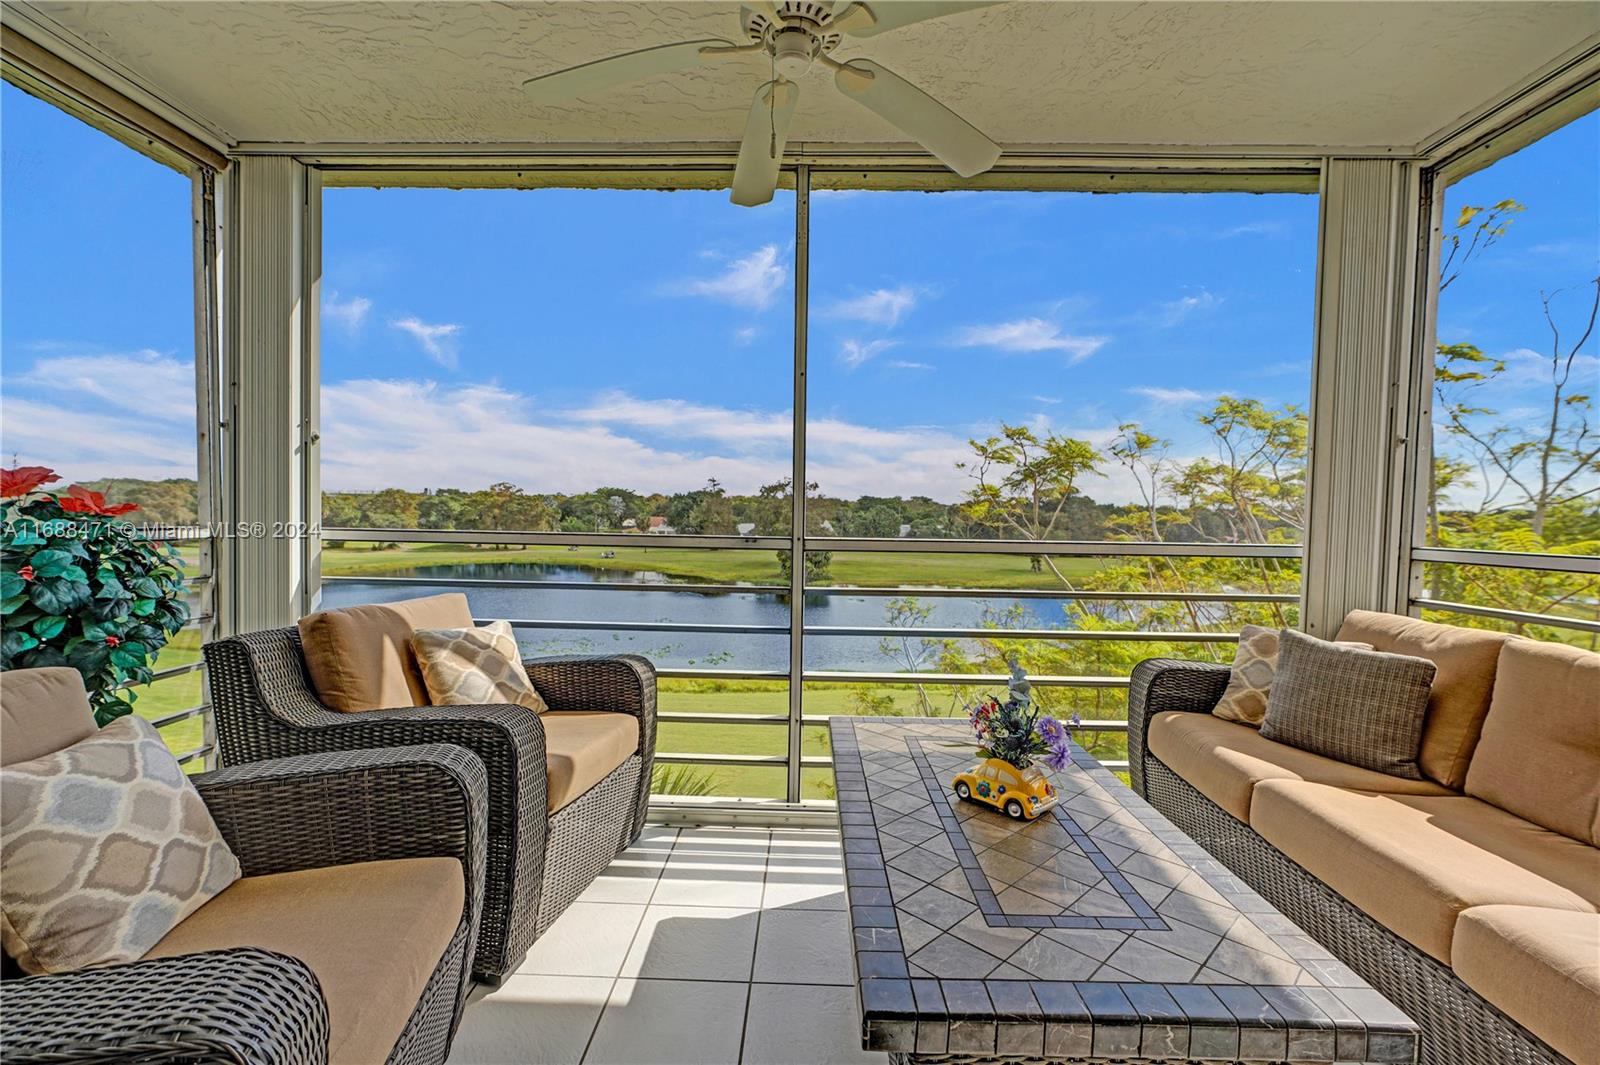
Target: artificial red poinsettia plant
(80, 588)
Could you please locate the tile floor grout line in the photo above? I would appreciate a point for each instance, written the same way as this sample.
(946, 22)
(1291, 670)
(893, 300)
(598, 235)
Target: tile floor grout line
(755, 947)
(594, 1029)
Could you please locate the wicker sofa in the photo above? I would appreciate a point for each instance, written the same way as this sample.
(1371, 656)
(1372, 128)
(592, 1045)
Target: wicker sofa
(567, 788)
(297, 962)
(1454, 895)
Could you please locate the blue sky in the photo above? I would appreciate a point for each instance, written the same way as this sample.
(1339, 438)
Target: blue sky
(564, 339)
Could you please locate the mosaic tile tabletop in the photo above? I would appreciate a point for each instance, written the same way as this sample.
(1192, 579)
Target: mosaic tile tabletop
(1096, 932)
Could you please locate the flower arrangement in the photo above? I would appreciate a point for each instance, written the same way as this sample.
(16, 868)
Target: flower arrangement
(79, 588)
(1016, 732)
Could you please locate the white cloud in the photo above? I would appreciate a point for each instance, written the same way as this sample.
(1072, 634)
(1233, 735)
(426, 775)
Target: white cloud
(1047, 400)
(752, 281)
(882, 306)
(1168, 396)
(1030, 335)
(87, 445)
(855, 352)
(439, 341)
(906, 364)
(1526, 368)
(144, 382)
(1252, 229)
(745, 335)
(350, 315)
(1175, 311)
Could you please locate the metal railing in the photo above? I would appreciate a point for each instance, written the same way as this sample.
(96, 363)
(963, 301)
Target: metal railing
(796, 720)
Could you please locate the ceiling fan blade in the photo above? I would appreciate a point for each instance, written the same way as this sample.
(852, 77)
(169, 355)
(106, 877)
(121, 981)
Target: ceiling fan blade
(769, 8)
(618, 70)
(868, 20)
(766, 129)
(951, 139)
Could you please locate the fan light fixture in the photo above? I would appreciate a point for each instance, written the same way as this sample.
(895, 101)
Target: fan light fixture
(796, 34)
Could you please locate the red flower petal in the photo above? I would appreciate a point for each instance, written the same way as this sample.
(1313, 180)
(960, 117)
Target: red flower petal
(21, 480)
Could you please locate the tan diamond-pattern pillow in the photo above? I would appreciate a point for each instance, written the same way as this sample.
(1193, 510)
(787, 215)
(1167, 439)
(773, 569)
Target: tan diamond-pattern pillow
(1245, 699)
(478, 665)
(106, 847)
(1250, 681)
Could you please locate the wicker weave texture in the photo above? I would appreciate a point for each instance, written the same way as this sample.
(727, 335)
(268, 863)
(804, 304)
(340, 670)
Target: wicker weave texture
(247, 1006)
(588, 833)
(265, 708)
(1458, 1026)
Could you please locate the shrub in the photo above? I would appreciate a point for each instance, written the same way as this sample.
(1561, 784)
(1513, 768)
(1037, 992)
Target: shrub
(80, 588)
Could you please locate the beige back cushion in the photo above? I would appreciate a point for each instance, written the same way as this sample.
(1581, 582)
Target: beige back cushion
(1540, 753)
(360, 657)
(1465, 662)
(42, 711)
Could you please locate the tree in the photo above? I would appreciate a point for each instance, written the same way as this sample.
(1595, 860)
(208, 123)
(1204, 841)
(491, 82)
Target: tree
(391, 508)
(1022, 483)
(441, 509)
(712, 513)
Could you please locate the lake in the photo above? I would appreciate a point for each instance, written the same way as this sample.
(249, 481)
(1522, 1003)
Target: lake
(683, 605)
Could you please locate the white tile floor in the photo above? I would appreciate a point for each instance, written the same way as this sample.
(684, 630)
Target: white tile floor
(700, 946)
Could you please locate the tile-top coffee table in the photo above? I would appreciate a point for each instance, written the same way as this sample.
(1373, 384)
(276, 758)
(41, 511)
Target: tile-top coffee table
(1098, 932)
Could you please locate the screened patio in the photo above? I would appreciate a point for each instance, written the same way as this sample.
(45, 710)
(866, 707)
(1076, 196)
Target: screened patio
(394, 329)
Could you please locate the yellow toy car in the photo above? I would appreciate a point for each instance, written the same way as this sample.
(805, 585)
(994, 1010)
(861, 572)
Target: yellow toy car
(1022, 794)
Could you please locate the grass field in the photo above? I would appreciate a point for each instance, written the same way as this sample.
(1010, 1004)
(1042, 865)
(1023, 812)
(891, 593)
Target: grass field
(694, 565)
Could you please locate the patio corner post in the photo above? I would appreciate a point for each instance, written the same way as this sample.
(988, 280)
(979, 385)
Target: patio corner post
(268, 391)
(1363, 379)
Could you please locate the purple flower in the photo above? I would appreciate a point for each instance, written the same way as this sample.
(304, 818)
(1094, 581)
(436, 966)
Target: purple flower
(1052, 731)
(1058, 757)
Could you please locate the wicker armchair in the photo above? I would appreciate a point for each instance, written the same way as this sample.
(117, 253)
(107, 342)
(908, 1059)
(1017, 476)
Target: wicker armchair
(538, 862)
(252, 1006)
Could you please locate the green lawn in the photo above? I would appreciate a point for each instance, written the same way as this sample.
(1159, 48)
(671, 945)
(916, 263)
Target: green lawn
(693, 564)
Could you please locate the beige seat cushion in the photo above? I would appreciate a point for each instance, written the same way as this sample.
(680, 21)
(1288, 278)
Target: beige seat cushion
(1540, 752)
(1413, 862)
(42, 711)
(1540, 966)
(372, 933)
(1465, 662)
(581, 747)
(1226, 761)
(360, 657)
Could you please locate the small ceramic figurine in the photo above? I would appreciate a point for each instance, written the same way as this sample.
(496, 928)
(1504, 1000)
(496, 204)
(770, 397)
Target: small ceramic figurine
(1019, 689)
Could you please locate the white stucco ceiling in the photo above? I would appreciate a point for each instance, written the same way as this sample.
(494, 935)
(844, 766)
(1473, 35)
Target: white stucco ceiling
(1028, 72)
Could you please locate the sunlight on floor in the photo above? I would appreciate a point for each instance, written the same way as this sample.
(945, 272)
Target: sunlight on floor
(699, 946)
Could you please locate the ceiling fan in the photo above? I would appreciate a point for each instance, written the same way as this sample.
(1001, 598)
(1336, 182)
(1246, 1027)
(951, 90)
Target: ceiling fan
(796, 34)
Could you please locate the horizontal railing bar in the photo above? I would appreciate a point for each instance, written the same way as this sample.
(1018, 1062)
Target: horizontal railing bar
(1088, 548)
(1092, 725)
(1508, 559)
(181, 715)
(678, 758)
(688, 718)
(164, 674)
(1141, 635)
(912, 590)
(1518, 616)
(1113, 765)
(198, 752)
(602, 586)
(549, 539)
(675, 672)
(829, 676)
(646, 626)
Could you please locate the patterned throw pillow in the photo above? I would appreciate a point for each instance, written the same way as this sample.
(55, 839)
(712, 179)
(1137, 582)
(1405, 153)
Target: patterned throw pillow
(1245, 699)
(1359, 706)
(106, 847)
(474, 666)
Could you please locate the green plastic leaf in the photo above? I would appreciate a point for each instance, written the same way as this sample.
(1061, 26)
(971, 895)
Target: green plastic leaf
(49, 627)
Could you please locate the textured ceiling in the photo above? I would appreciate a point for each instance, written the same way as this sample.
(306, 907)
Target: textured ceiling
(1027, 72)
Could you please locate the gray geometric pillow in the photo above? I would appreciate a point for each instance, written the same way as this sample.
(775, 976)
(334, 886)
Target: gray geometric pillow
(106, 847)
(1250, 681)
(1358, 706)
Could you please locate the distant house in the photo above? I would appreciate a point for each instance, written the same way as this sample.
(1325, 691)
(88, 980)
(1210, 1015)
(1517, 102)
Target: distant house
(658, 525)
(825, 526)
(629, 523)
(905, 530)
(745, 528)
